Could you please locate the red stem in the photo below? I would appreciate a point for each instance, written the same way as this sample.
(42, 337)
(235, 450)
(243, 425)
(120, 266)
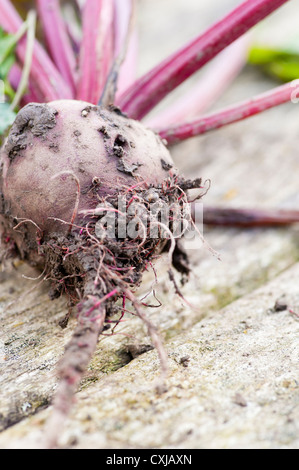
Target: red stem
(43, 72)
(151, 88)
(32, 94)
(237, 112)
(123, 11)
(128, 69)
(248, 217)
(57, 39)
(97, 49)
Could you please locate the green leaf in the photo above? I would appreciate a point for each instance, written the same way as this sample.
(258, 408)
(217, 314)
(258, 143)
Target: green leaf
(7, 47)
(5, 66)
(285, 71)
(7, 59)
(265, 55)
(279, 63)
(7, 117)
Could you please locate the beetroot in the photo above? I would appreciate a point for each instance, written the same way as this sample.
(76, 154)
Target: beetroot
(83, 193)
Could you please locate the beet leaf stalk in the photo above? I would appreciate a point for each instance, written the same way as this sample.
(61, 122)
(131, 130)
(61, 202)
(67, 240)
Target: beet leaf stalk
(43, 71)
(248, 217)
(32, 93)
(206, 90)
(231, 114)
(24, 78)
(96, 50)
(152, 87)
(123, 24)
(126, 43)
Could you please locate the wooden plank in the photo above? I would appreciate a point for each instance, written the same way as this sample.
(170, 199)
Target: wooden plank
(254, 163)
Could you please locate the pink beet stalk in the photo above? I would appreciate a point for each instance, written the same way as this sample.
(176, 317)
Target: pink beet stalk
(123, 12)
(126, 42)
(237, 112)
(43, 72)
(97, 49)
(151, 88)
(128, 69)
(248, 217)
(57, 39)
(207, 89)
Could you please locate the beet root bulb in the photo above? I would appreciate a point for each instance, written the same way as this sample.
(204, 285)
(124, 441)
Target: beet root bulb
(101, 148)
(84, 190)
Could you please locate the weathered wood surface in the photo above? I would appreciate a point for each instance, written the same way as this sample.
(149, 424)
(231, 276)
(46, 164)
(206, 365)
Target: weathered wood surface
(233, 359)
